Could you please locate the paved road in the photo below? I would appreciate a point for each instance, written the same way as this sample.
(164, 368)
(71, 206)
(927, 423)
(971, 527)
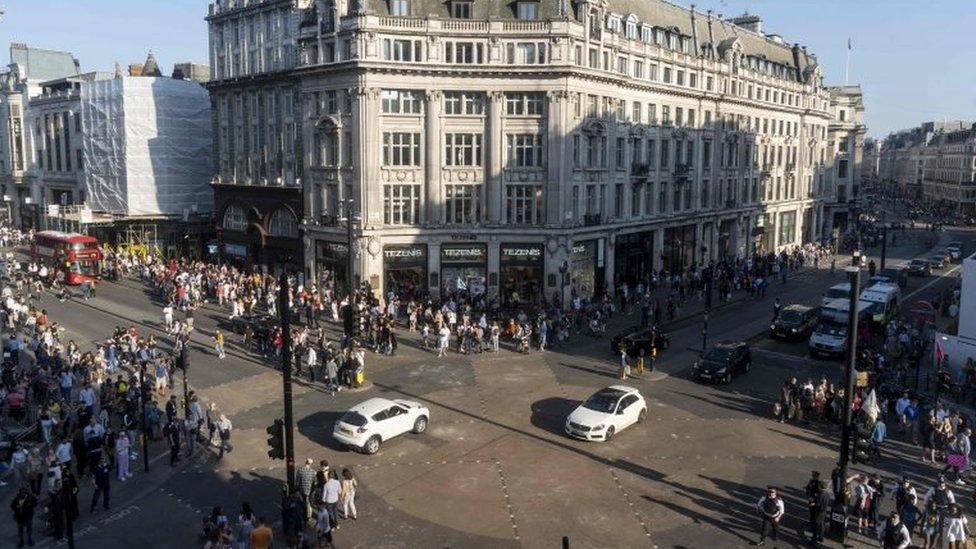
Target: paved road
(494, 469)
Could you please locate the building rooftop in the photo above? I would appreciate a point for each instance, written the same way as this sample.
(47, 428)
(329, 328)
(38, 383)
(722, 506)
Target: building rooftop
(41, 64)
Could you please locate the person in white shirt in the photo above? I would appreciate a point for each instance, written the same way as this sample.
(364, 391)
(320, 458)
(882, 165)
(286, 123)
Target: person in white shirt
(771, 509)
(330, 495)
(168, 316)
(955, 528)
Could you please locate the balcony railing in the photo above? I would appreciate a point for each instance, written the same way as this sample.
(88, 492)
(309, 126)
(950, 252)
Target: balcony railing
(640, 169)
(682, 169)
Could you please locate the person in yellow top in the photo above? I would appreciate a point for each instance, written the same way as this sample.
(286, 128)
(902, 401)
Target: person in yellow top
(639, 364)
(218, 340)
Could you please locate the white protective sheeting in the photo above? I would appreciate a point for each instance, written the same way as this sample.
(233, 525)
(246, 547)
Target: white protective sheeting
(147, 146)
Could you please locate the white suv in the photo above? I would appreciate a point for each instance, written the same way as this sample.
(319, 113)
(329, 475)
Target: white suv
(368, 424)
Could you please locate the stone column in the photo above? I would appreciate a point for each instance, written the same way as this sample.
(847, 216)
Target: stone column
(495, 144)
(367, 188)
(556, 155)
(434, 195)
(657, 264)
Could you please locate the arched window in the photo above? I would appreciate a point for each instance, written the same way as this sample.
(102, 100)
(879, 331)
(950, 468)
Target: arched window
(234, 218)
(283, 223)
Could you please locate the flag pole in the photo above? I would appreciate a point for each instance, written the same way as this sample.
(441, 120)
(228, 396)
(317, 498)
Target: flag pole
(847, 66)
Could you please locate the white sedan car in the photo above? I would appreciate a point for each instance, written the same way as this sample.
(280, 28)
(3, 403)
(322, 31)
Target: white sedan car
(368, 424)
(606, 413)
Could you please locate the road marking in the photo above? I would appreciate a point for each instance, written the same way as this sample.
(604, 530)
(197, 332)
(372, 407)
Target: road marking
(931, 282)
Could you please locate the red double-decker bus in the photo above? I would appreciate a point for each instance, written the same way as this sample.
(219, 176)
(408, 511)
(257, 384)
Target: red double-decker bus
(75, 255)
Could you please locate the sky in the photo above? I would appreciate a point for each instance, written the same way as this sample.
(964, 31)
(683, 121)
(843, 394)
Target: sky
(913, 58)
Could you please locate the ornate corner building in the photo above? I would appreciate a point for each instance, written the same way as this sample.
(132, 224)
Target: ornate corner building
(522, 149)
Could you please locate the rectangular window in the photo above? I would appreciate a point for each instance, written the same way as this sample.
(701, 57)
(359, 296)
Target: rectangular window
(523, 204)
(692, 80)
(408, 51)
(462, 203)
(400, 7)
(401, 204)
(525, 150)
(619, 153)
(639, 69)
(461, 9)
(680, 78)
(526, 53)
(665, 153)
(464, 103)
(665, 115)
(400, 101)
(462, 149)
(464, 53)
(528, 11)
(667, 75)
(525, 104)
(637, 115)
(401, 149)
(635, 199)
(622, 65)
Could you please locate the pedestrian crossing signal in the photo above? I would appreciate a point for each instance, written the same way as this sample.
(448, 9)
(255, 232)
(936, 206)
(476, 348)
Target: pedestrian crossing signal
(277, 441)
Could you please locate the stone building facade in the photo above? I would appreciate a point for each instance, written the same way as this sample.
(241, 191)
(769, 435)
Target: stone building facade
(903, 154)
(257, 133)
(533, 149)
(845, 147)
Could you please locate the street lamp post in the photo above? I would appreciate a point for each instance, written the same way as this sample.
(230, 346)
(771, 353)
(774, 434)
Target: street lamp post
(143, 400)
(838, 519)
(286, 356)
(350, 327)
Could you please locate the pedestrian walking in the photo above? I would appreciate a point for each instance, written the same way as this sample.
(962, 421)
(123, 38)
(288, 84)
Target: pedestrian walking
(23, 506)
(122, 456)
(174, 436)
(330, 495)
(101, 477)
(895, 535)
(305, 481)
(771, 510)
(347, 494)
(218, 341)
(224, 428)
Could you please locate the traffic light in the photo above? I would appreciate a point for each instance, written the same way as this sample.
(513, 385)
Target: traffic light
(277, 441)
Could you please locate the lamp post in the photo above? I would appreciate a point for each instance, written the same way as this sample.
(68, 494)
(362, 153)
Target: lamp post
(838, 520)
(143, 400)
(350, 320)
(286, 355)
(563, 269)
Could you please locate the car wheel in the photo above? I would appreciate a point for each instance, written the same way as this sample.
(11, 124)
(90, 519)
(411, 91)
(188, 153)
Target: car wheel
(609, 435)
(420, 425)
(372, 445)
(642, 415)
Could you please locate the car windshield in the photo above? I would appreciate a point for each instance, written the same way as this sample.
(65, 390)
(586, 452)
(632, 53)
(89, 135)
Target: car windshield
(917, 262)
(831, 329)
(718, 354)
(604, 401)
(791, 317)
(353, 418)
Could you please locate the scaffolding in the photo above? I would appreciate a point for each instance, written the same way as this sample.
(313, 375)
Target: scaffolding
(138, 238)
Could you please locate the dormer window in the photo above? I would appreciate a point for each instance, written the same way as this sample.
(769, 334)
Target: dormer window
(461, 9)
(613, 23)
(400, 7)
(527, 10)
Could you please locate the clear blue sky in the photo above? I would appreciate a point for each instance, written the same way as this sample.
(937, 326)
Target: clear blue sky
(914, 58)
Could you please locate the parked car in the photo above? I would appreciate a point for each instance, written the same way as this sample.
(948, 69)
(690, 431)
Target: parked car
(637, 339)
(369, 424)
(724, 360)
(895, 275)
(794, 322)
(606, 413)
(919, 267)
(937, 261)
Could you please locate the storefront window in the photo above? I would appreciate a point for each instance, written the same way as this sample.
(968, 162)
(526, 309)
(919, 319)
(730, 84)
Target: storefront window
(787, 228)
(331, 267)
(522, 275)
(405, 270)
(464, 271)
(583, 271)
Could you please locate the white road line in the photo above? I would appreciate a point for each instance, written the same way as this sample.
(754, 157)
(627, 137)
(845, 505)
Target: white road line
(931, 282)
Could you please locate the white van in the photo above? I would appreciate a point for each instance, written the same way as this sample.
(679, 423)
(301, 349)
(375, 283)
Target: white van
(829, 338)
(887, 300)
(837, 291)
